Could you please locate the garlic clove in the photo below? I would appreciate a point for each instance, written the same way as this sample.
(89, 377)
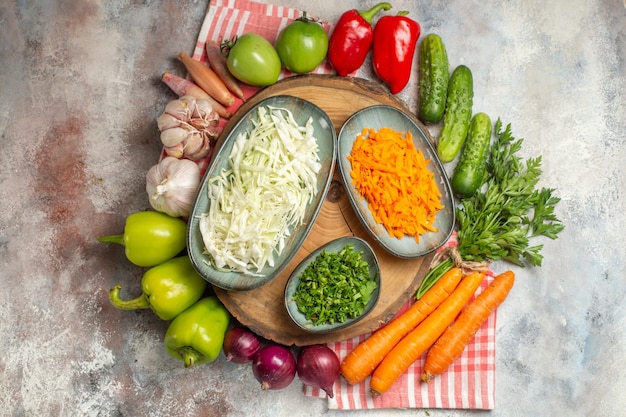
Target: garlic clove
(191, 103)
(190, 100)
(178, 109)
(194, 146)
(175, 151)
(174, 136)
(167, 121)
(205, 111)
(200, 152)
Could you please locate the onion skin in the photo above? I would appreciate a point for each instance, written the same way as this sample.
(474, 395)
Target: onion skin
(274, 366)
(240, 345)
(318, 366)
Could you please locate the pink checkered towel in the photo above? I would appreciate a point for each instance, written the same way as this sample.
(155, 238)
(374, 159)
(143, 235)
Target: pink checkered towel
(470, 381)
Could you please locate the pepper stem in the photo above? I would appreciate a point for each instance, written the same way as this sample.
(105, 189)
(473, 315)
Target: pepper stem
(119, 239)
(189, 355)
(138, 303)
(368, 15)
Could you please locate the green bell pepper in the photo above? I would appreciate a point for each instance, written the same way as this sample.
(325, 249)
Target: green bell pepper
(196, 335)
(151, 238)
(168, 289)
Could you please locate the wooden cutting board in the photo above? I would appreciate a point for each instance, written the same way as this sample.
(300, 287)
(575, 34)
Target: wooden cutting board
(263, 309)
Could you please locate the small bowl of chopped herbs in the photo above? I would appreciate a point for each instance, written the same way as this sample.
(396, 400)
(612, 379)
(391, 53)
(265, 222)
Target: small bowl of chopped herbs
(334, 287)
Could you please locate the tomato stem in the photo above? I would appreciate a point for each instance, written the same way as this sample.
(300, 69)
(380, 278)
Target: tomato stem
(305, 18)
(227, 45)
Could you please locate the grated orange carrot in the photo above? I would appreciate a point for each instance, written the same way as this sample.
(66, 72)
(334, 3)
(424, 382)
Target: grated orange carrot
(393, 176)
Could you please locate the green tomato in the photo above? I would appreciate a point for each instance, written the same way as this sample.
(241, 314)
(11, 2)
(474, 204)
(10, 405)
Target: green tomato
(302, 45)
(253, 60)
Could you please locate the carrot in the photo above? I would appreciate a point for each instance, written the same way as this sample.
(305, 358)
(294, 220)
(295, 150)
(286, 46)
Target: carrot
(207, 79)
(218, 63)
(456, 337)
(393, 176)
(364, 358)
(420, 339)
(184, 87)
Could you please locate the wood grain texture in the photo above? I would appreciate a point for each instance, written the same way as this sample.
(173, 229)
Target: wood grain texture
(263, 309)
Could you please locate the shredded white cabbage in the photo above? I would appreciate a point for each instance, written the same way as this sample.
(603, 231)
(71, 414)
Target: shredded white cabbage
(271, 180)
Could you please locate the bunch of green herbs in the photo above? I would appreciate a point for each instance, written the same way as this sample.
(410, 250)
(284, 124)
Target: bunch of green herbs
(500, 219)
(334, 287)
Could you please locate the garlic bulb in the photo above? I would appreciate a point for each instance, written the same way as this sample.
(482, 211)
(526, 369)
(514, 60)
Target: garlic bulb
(172, 185)
(188, 128)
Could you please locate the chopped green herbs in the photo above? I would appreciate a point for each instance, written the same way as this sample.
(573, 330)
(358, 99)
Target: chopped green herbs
(334, 287)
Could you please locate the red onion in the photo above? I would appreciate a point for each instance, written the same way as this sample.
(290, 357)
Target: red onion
(240, 345)
(274, 367)
(318, 366)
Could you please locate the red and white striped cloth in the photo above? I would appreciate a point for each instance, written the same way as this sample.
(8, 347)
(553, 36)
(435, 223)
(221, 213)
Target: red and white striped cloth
(470, 381)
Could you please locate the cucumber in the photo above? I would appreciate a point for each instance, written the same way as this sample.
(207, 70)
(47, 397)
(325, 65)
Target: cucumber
(470, 172)
(458, 113)
(434, 72)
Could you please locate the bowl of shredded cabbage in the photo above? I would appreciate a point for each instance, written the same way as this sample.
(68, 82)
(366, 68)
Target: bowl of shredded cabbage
(396, 183)
(261, 193)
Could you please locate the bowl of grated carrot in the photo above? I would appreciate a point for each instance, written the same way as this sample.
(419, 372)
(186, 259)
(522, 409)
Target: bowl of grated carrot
(396, 183)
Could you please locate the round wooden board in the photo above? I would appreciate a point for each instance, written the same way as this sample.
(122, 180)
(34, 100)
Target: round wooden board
(263, 309)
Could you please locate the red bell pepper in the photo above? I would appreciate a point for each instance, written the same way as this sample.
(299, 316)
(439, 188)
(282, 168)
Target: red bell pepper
(352, 38)
(395, 39)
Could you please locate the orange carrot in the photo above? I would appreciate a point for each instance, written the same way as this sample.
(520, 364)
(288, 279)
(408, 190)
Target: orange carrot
(456, 337)
(420, 339)
(207, 79)
(364, 358)
(184, 87)
(218, 63)
(393, 176)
